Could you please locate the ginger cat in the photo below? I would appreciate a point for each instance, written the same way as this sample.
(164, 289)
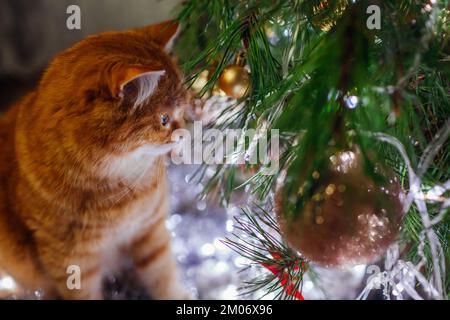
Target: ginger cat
(82, 166)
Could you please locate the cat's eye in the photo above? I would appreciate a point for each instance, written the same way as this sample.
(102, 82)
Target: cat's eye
(165, 120)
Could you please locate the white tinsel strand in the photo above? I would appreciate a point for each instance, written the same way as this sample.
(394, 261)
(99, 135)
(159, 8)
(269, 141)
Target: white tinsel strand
(435, 285)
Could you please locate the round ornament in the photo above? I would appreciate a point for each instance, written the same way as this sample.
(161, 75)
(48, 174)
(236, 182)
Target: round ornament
(235, 81)
(347, 218)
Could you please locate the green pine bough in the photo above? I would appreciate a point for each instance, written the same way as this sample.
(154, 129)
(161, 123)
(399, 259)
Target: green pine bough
(319, 73)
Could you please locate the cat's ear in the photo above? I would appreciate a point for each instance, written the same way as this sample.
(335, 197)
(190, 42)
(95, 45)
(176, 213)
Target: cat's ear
(163, 33)
(145, 80)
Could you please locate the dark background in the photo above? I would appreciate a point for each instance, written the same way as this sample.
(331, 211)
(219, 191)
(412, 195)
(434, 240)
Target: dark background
(33, 31)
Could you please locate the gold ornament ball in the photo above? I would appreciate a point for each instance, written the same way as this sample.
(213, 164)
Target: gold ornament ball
(200, 82)
(349, 219)
(324, 20)
(235, 81)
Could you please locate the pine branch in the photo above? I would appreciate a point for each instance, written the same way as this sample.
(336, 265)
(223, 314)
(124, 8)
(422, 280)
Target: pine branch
(259, 240)
(302, 76)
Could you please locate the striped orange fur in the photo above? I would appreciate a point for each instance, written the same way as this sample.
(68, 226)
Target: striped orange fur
(82, 166)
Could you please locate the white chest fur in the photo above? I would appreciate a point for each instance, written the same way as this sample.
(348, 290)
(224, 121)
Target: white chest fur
(139, 216)
(134, 165)
(136, 168)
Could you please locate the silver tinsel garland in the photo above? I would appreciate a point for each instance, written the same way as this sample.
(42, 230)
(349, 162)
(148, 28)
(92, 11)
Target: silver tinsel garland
(211, 270)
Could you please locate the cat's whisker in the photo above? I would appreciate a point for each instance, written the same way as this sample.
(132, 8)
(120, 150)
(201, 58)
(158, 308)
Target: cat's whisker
(131, 187)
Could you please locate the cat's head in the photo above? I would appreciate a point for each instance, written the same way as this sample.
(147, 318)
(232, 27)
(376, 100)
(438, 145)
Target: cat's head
(115, 92)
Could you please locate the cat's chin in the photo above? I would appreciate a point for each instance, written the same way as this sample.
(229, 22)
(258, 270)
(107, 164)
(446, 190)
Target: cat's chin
(133, 163)
(158, 149)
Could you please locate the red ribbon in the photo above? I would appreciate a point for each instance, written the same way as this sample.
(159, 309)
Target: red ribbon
(283, 276)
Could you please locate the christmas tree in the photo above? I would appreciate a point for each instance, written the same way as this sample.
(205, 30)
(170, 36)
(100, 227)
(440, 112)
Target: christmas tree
(359, 94)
